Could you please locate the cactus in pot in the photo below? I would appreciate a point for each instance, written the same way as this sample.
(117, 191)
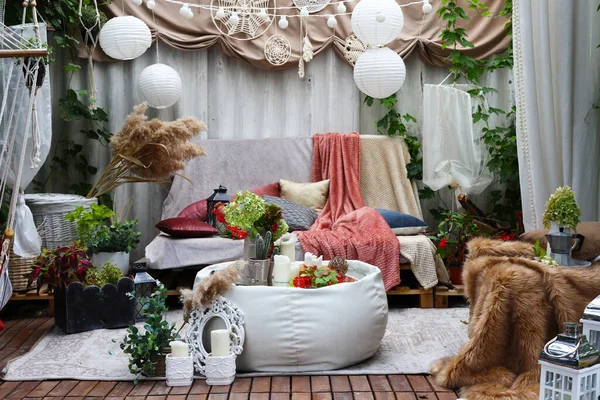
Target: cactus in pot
(263, 245)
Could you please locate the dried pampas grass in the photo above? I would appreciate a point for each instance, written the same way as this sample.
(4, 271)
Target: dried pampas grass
(149, 151)
(210, 288)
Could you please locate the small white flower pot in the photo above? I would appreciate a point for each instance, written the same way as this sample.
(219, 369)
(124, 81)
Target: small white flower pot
(179, 370)
(120, 259)
(220, 370)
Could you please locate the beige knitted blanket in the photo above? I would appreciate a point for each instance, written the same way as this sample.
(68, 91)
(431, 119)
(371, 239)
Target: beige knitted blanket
(383, 179)
(428, 268)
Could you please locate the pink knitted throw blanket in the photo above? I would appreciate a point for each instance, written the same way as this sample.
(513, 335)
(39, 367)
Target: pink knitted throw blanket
(346, 227)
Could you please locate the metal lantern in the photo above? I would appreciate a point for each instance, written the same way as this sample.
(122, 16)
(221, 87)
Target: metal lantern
(219, 196)
(144, 285)
(591, 322)
(160, 85)
(570, 369)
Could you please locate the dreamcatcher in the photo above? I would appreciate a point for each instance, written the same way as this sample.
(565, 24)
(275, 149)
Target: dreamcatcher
(240, 20)
(23, 72)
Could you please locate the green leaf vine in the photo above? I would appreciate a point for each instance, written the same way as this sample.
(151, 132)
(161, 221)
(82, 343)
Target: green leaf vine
(501, 140)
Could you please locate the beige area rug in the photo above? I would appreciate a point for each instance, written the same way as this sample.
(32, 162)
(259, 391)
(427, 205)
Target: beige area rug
(413, 340)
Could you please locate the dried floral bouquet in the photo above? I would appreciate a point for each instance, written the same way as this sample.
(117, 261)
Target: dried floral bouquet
(148, 151)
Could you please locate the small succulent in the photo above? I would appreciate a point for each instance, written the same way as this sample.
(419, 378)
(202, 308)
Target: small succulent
(263, 245)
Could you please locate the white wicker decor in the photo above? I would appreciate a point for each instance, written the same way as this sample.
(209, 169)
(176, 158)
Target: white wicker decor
(377, 22)
(278, 50)
(379, 72)
(125, 38)
(252, 17)
(160, 85)
(353, 48)
(312, 6)
(49, 211)
(234, 323)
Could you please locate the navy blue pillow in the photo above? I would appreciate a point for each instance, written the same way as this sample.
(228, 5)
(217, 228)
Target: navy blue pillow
(402, 224)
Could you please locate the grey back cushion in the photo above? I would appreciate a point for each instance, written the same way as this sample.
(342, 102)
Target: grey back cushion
(298, 217)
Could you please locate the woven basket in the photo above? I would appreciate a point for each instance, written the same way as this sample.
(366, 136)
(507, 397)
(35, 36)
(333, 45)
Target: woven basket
(49, 211)
(17, 267)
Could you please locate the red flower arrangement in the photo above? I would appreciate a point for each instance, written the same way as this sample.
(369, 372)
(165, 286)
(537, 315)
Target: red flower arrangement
(61, 266)
(231, 231)
(314, 277)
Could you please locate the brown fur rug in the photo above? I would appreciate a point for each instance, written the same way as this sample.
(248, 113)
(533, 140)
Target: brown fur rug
(517, 305)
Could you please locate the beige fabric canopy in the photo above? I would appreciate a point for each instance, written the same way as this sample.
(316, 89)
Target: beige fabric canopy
(421, 32)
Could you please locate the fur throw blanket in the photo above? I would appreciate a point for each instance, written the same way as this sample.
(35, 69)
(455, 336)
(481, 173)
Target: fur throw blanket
(517, 305)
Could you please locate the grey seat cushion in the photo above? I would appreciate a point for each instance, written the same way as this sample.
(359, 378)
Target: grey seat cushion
(298, 217)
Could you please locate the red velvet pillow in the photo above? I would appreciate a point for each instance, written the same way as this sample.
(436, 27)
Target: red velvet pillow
(186, 228)
(272, 189)
(197, 210)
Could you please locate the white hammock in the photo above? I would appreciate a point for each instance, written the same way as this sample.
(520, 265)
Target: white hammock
(453, 153)
(21, 65)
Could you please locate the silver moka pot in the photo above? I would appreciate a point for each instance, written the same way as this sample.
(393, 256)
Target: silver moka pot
(562, 244)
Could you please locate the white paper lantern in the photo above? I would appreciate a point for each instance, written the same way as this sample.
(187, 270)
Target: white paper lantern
(379, 72)
(125, 38)
(377, 22)
(160, 85)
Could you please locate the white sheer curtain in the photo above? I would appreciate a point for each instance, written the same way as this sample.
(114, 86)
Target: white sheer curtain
(557, 73)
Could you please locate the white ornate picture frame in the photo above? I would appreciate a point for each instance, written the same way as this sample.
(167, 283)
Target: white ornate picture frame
(233, 318)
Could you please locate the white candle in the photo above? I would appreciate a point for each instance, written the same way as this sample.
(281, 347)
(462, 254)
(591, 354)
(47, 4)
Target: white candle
(318, 262)
(294, 270)
(308, 259)
(219, 343)
(288, 249)
(281, 268)
(179, 349)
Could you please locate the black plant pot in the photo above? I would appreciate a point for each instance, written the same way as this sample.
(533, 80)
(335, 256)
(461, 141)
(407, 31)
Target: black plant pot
(79, 310)
(40, 76)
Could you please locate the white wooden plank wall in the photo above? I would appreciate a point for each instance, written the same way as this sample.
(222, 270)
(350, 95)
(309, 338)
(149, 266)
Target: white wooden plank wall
(239, 101)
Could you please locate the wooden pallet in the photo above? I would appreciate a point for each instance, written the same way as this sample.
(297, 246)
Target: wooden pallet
(441, 294)
(34, 295)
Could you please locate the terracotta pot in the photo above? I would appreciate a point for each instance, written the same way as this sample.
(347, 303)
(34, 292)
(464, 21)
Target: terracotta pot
(456, 275)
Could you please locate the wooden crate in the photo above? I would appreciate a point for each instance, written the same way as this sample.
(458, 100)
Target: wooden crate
(441, 294)
(34, 295)
(426, 298)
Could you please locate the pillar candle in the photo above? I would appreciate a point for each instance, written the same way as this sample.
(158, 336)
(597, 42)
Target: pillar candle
(294, 270)
(219, 343)
(179, 349)
(289, 250)
(281, 268)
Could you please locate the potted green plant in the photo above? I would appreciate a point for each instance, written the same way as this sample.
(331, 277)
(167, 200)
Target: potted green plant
(85, 298)
(562, 211)
(454, 232)
(105, 236)
(91, 20)
(148, 347)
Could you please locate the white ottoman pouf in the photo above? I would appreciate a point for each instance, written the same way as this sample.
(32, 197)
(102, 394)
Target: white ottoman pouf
(298, 330)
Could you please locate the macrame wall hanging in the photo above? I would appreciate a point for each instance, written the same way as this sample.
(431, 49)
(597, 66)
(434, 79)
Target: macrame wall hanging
(353, 48)
(242, 19)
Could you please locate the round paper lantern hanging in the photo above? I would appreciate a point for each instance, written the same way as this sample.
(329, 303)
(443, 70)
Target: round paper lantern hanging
(125, 38)
(379, 72)
(160, 85)
(377, 22)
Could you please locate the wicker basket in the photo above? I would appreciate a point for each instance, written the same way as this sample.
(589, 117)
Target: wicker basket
(18, 267)
(49, 211)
